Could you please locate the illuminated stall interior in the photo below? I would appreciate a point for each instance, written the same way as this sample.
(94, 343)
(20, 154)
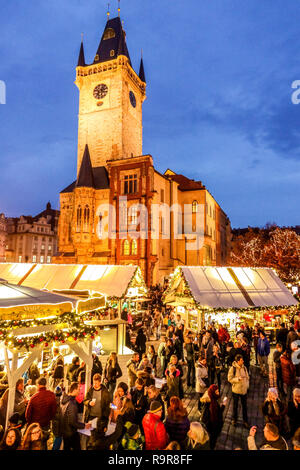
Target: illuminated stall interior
(228, 296)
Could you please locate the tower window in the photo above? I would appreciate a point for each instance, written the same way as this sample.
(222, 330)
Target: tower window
(130, 184)
(86, 219)
(112, 53)
(79, 214)
(109, 33)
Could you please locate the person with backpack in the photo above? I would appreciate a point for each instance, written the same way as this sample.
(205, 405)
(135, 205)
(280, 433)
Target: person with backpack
(239, 378)
(133, 439)
(156, 437)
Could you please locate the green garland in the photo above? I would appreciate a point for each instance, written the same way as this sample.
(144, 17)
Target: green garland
(73, 328)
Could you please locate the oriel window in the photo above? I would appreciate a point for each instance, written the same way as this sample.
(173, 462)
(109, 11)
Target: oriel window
(130, 184)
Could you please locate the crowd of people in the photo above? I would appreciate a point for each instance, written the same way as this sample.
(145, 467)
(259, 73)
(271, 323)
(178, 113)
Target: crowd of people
(54, 410)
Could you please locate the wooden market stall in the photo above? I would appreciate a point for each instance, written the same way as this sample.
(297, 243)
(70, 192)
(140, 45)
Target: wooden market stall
(32, 320)
(227, 295)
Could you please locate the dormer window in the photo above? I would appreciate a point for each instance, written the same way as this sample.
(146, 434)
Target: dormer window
(109, 33)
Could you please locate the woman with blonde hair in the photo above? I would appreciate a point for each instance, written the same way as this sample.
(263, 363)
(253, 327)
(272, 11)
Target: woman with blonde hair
(274, 410)
(197, 437)
(112, 372)
(294, 411)
(33, 438)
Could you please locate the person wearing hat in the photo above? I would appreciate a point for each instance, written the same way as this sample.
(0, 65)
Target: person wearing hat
(133, 438)
(156, 436)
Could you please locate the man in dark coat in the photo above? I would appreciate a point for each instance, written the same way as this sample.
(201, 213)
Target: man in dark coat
(97, 402)
(281, 335)
(70, 422)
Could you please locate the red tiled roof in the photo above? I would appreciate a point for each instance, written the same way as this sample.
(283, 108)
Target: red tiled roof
(186, 184)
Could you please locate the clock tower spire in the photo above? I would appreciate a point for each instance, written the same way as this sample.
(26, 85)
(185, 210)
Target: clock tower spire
(111, 95)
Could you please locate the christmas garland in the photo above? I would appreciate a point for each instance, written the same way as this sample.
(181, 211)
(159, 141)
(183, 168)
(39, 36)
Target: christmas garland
(72, 328)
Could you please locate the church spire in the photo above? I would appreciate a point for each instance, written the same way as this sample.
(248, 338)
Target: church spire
(81, 59)
(142, 71)
(85, 175)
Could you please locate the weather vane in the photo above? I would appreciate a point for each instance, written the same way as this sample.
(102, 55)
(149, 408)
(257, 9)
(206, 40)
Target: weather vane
(108, 11)
(119, 7)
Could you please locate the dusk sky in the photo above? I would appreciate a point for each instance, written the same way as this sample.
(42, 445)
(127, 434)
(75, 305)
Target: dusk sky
(218, 108)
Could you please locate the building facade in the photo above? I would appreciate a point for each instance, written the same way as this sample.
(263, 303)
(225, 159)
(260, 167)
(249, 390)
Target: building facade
(32, 239)
(3, 236)
(120, 209)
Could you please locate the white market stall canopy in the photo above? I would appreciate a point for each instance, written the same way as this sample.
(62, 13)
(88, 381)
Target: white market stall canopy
(229, 287)
(111, 280)
(24, 301)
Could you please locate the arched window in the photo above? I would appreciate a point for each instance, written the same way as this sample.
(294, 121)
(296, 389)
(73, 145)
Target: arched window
(134, 247)
(126, 248)
(194, 207)
(79, 215)
(86, 218)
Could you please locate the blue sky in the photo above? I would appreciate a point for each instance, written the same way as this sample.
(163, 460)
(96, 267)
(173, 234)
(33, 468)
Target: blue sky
(219, 75)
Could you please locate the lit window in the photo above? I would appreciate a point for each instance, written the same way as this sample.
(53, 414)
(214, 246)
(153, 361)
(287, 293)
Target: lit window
(48, 259)
(20, 259)
(130, 184)
(134, 247)
(42, 259)
(194, 207)
(133, 215)
(112, 53)
(49, 248)
(42, 247)
(79, 214)
(86, 219)
(126, 248)
(34, 259)
(109, 33)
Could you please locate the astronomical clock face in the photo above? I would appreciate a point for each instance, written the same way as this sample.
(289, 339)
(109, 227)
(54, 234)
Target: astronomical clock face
(132, 99)
(100, 91)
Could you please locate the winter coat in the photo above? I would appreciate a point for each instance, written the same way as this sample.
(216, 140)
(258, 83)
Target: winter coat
(274, 416)
(56, 423)
(201, 375)
(279, 444)
(19, 407)
(191, 445)
(156, 436)
(41, 408)
(288, 370)
(98, 441)
(177, 430)
(132, 444)
(213, 427)
(111, 373)
(104, 407)
(292, 336)
(173, 384)
(140, 342)
(97, 366)
(263, 347)
(223, 335)
(235, 373)
(72, 372)
(281, 336)
(132, 371)
(33, 373)
(58, 372)
(70, 422)
(160, 400)
(293, 413)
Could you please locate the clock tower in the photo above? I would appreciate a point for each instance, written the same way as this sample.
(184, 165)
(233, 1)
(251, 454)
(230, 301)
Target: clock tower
(111, 95)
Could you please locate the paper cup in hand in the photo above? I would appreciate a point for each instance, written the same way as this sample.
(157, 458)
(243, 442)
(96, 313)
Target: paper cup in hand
(93, 401)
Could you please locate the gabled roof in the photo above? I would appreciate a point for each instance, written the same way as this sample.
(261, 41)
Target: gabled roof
(116, 43)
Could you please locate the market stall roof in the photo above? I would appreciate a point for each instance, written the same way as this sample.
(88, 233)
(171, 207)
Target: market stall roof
(230, 287)
(111, 280)
(25, 301)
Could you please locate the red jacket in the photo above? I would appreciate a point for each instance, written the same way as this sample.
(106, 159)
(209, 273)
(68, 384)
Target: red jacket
(41, 408)
(288, 370)
(223, 335)
(156, 436)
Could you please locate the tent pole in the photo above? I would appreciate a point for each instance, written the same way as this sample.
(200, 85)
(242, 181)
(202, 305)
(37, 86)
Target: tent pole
(11, 387)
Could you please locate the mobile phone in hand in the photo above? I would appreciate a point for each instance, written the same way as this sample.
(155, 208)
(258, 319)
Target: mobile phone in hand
(114, 407)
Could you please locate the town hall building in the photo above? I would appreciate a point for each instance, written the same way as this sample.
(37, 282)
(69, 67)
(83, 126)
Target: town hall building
(120, 209)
